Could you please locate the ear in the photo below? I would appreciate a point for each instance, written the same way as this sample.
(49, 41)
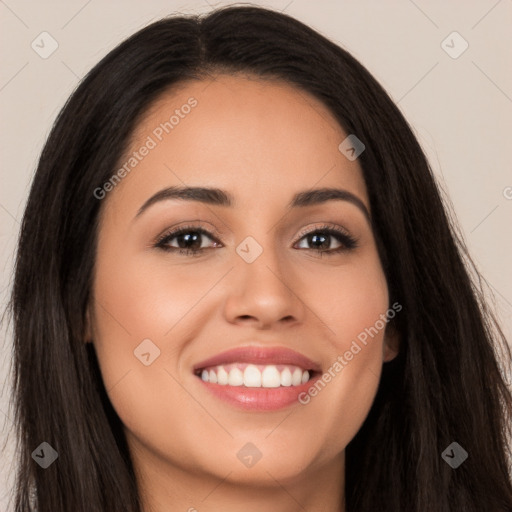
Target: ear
(391, 345)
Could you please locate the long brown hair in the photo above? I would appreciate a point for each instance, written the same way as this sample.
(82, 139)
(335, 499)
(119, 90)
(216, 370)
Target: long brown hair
(444, 386)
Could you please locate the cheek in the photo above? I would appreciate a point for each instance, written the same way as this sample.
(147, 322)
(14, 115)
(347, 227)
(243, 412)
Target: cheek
(348, 299)
(145, 313)
(138, 299)
(141, 325)
(352, 303)
(150, 299)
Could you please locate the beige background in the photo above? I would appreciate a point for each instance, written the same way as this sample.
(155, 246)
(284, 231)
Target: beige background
(461, 109)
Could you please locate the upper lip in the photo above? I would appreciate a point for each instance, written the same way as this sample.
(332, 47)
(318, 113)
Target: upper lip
(260, 355)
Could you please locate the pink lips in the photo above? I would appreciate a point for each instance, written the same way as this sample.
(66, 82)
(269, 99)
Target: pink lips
(260, 355)
(260, 399)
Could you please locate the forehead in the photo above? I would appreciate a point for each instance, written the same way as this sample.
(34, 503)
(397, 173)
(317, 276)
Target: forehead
(260, 139)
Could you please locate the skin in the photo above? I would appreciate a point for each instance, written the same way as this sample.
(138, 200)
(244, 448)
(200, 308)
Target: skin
(261, 141)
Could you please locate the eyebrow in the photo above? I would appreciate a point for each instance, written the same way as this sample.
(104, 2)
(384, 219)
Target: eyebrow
(218, 197)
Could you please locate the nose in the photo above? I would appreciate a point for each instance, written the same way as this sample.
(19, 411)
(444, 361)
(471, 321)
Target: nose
(264, 293)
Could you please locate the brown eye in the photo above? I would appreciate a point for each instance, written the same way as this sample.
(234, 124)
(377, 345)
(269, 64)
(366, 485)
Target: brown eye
(186, 240)
(321, 240)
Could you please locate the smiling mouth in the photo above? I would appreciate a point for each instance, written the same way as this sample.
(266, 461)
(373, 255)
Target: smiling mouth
(255, 375)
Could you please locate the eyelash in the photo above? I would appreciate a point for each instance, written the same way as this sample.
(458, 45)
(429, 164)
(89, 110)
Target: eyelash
(347, 241)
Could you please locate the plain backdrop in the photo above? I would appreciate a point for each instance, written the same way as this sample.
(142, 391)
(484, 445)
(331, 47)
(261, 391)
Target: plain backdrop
(458, 100)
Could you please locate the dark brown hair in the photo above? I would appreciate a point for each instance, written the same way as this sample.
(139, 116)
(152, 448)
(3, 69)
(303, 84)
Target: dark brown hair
(444, 386)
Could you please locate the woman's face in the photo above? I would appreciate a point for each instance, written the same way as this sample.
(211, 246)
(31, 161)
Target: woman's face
(284, 281)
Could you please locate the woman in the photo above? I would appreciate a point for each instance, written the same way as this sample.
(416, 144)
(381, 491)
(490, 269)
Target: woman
(237, 286)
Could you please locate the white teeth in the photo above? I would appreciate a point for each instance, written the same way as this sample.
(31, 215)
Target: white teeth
(270, 377)
(297, 377)
(255, 376)
(252, 377)
(286, 377)
(236, 377)
(222, 376)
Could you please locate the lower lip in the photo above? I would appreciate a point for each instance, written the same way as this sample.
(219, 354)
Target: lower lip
(259, 399)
